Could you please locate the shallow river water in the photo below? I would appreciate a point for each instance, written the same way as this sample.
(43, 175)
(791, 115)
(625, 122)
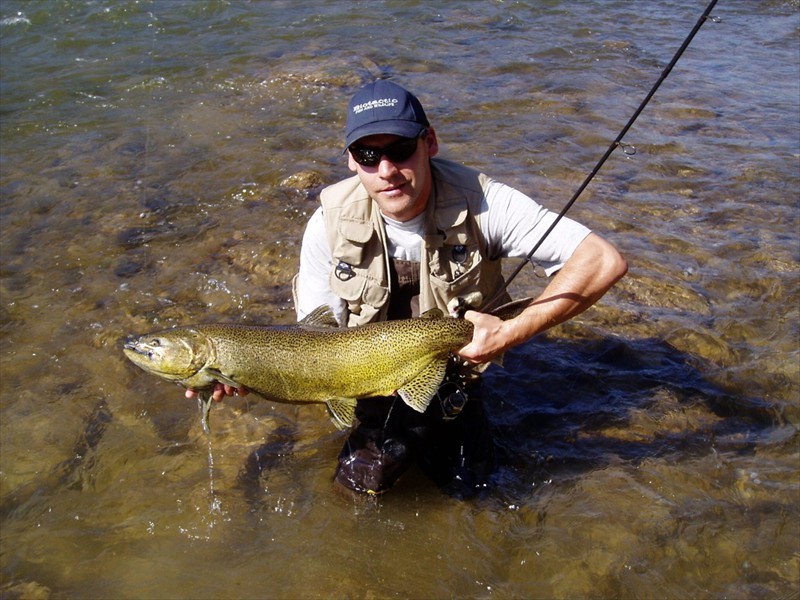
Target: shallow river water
(159, 161)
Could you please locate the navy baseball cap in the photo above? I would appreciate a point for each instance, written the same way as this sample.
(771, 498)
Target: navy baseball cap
(384, 107)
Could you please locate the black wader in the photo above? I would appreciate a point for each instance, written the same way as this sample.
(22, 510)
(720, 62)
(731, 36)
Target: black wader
(450, 441)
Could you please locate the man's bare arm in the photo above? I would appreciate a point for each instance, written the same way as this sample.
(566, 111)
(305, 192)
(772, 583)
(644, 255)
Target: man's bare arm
(594, 267)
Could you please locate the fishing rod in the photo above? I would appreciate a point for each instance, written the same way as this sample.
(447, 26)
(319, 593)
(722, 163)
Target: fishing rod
(617, 142)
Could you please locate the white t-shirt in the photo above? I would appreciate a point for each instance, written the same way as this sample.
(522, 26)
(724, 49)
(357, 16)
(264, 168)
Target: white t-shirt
(511, 221)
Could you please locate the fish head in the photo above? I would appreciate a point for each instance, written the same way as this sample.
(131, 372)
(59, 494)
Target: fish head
(174, 354)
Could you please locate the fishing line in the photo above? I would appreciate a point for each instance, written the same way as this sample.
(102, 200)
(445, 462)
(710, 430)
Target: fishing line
(143, 179)
(628, 149)
(150, 82)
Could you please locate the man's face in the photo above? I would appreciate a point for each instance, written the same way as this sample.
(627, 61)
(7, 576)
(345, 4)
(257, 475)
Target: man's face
(401, 189)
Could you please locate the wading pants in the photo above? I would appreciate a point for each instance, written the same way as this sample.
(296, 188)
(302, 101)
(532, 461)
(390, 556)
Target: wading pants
(451, 444)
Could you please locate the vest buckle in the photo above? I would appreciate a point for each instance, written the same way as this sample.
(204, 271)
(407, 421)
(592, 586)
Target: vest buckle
(344, 271)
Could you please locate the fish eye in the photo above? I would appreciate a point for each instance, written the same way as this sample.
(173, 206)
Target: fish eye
(156, 342)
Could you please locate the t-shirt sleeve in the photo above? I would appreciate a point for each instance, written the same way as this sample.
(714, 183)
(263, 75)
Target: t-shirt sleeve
(316, 262)
(514, 223)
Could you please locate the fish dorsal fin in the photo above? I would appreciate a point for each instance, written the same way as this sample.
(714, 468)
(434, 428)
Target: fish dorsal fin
(433, 313)
(418, 392)
(322, 316)
(343, 411)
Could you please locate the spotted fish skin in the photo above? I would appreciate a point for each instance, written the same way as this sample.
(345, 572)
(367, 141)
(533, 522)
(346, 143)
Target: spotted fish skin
(311, 361)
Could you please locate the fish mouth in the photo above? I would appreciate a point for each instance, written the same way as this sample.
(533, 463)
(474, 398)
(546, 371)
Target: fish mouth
(132, 345)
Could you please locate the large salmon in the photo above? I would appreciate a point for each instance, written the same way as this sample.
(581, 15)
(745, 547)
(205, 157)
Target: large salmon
(314, 360)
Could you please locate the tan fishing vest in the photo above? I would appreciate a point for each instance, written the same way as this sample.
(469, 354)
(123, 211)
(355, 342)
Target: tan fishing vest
(454, 257)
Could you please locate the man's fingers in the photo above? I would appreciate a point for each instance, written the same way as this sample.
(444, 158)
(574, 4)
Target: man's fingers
(220, 391)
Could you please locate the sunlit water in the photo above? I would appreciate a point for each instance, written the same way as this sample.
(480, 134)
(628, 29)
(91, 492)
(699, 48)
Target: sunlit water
(159, 162)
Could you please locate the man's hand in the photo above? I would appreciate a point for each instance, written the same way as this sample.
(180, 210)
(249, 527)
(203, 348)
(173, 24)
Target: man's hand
(488, 338)
(220, 391)
(593, 268)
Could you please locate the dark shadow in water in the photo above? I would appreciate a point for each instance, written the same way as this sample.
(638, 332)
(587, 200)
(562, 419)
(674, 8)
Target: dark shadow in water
(253, 476)
(561, 408)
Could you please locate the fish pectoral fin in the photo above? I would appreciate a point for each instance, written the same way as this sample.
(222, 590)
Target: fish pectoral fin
(204, 401)
(343, 411)
(222, 378)
(418, 392)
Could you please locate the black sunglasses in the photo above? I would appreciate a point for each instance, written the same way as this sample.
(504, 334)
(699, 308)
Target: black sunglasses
(398, 151)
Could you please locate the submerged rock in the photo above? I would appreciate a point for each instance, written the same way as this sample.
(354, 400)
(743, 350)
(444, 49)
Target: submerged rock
(303, 180)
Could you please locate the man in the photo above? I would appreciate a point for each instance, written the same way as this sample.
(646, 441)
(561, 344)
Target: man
(410, 232)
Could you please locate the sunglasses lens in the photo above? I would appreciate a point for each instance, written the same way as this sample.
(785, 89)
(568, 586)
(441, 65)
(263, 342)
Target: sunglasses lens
(402, 150)
(396, 152)
(368, 157)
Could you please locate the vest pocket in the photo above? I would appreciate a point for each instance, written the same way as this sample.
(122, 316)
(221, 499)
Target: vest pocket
(455, 270)
(358, 289)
